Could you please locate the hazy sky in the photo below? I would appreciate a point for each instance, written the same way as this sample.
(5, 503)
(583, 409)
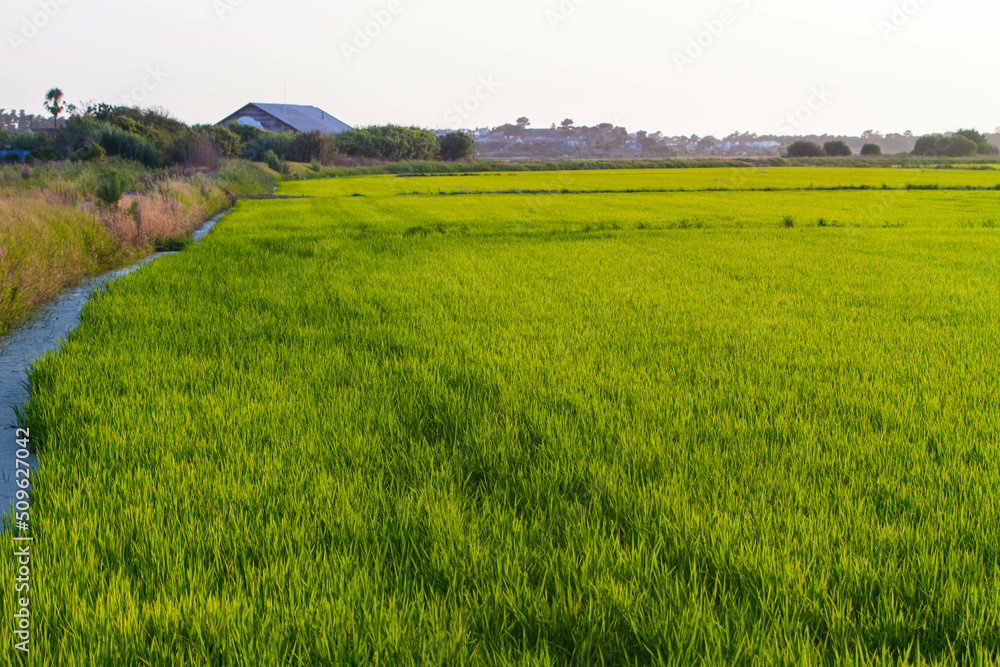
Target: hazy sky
(841, 66)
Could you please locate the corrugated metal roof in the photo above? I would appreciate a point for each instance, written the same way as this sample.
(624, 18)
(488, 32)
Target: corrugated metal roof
(304, 118)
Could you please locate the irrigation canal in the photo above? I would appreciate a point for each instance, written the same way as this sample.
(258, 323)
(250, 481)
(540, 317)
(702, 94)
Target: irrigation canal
(22, 346)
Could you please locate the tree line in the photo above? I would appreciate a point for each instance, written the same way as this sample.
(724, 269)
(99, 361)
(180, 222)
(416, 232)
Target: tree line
(964, 143)
(154, 139)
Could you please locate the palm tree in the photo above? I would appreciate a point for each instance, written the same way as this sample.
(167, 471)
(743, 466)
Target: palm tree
(54, 105)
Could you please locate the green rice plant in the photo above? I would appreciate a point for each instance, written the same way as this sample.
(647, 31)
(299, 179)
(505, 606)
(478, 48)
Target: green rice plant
(321, 437)
(727, 178)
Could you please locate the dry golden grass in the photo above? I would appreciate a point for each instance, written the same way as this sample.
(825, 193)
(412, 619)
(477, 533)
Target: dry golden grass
(45, 246)
(51, 239)
(140, 220)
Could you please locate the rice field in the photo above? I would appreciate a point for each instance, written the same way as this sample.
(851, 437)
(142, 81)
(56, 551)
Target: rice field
(737, 178)
(629, 428)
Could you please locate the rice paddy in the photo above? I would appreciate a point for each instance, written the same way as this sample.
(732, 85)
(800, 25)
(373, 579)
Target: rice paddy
(753, 427)
(736, 178)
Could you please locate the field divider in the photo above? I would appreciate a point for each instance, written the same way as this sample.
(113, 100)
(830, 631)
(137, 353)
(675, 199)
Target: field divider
(839, 188)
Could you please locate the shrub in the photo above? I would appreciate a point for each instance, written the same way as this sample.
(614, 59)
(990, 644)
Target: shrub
(871, 150)
(456, 146)
(203, 152)
(805, 149)
(268, 141)
(89, 153)
(937, 145)
(389, 142)
(77, 132)
(128, 146)
(247, 134)
(28, 141)
(316, 165)
(788, 221)
(837, 149)
(305, 147)
(176, 152)
(962, 147)
(983, 144)
(154, 125)
(270, 158)
(111, 187)
(331, 154)
(82, 130)
(226, 143)
(47, 155)
(274, 162)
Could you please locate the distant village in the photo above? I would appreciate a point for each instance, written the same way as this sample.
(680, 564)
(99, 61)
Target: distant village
(566, 140)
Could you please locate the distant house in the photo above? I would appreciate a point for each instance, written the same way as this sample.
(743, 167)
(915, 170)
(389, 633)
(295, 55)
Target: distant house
(286, 118)
(444, 133)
